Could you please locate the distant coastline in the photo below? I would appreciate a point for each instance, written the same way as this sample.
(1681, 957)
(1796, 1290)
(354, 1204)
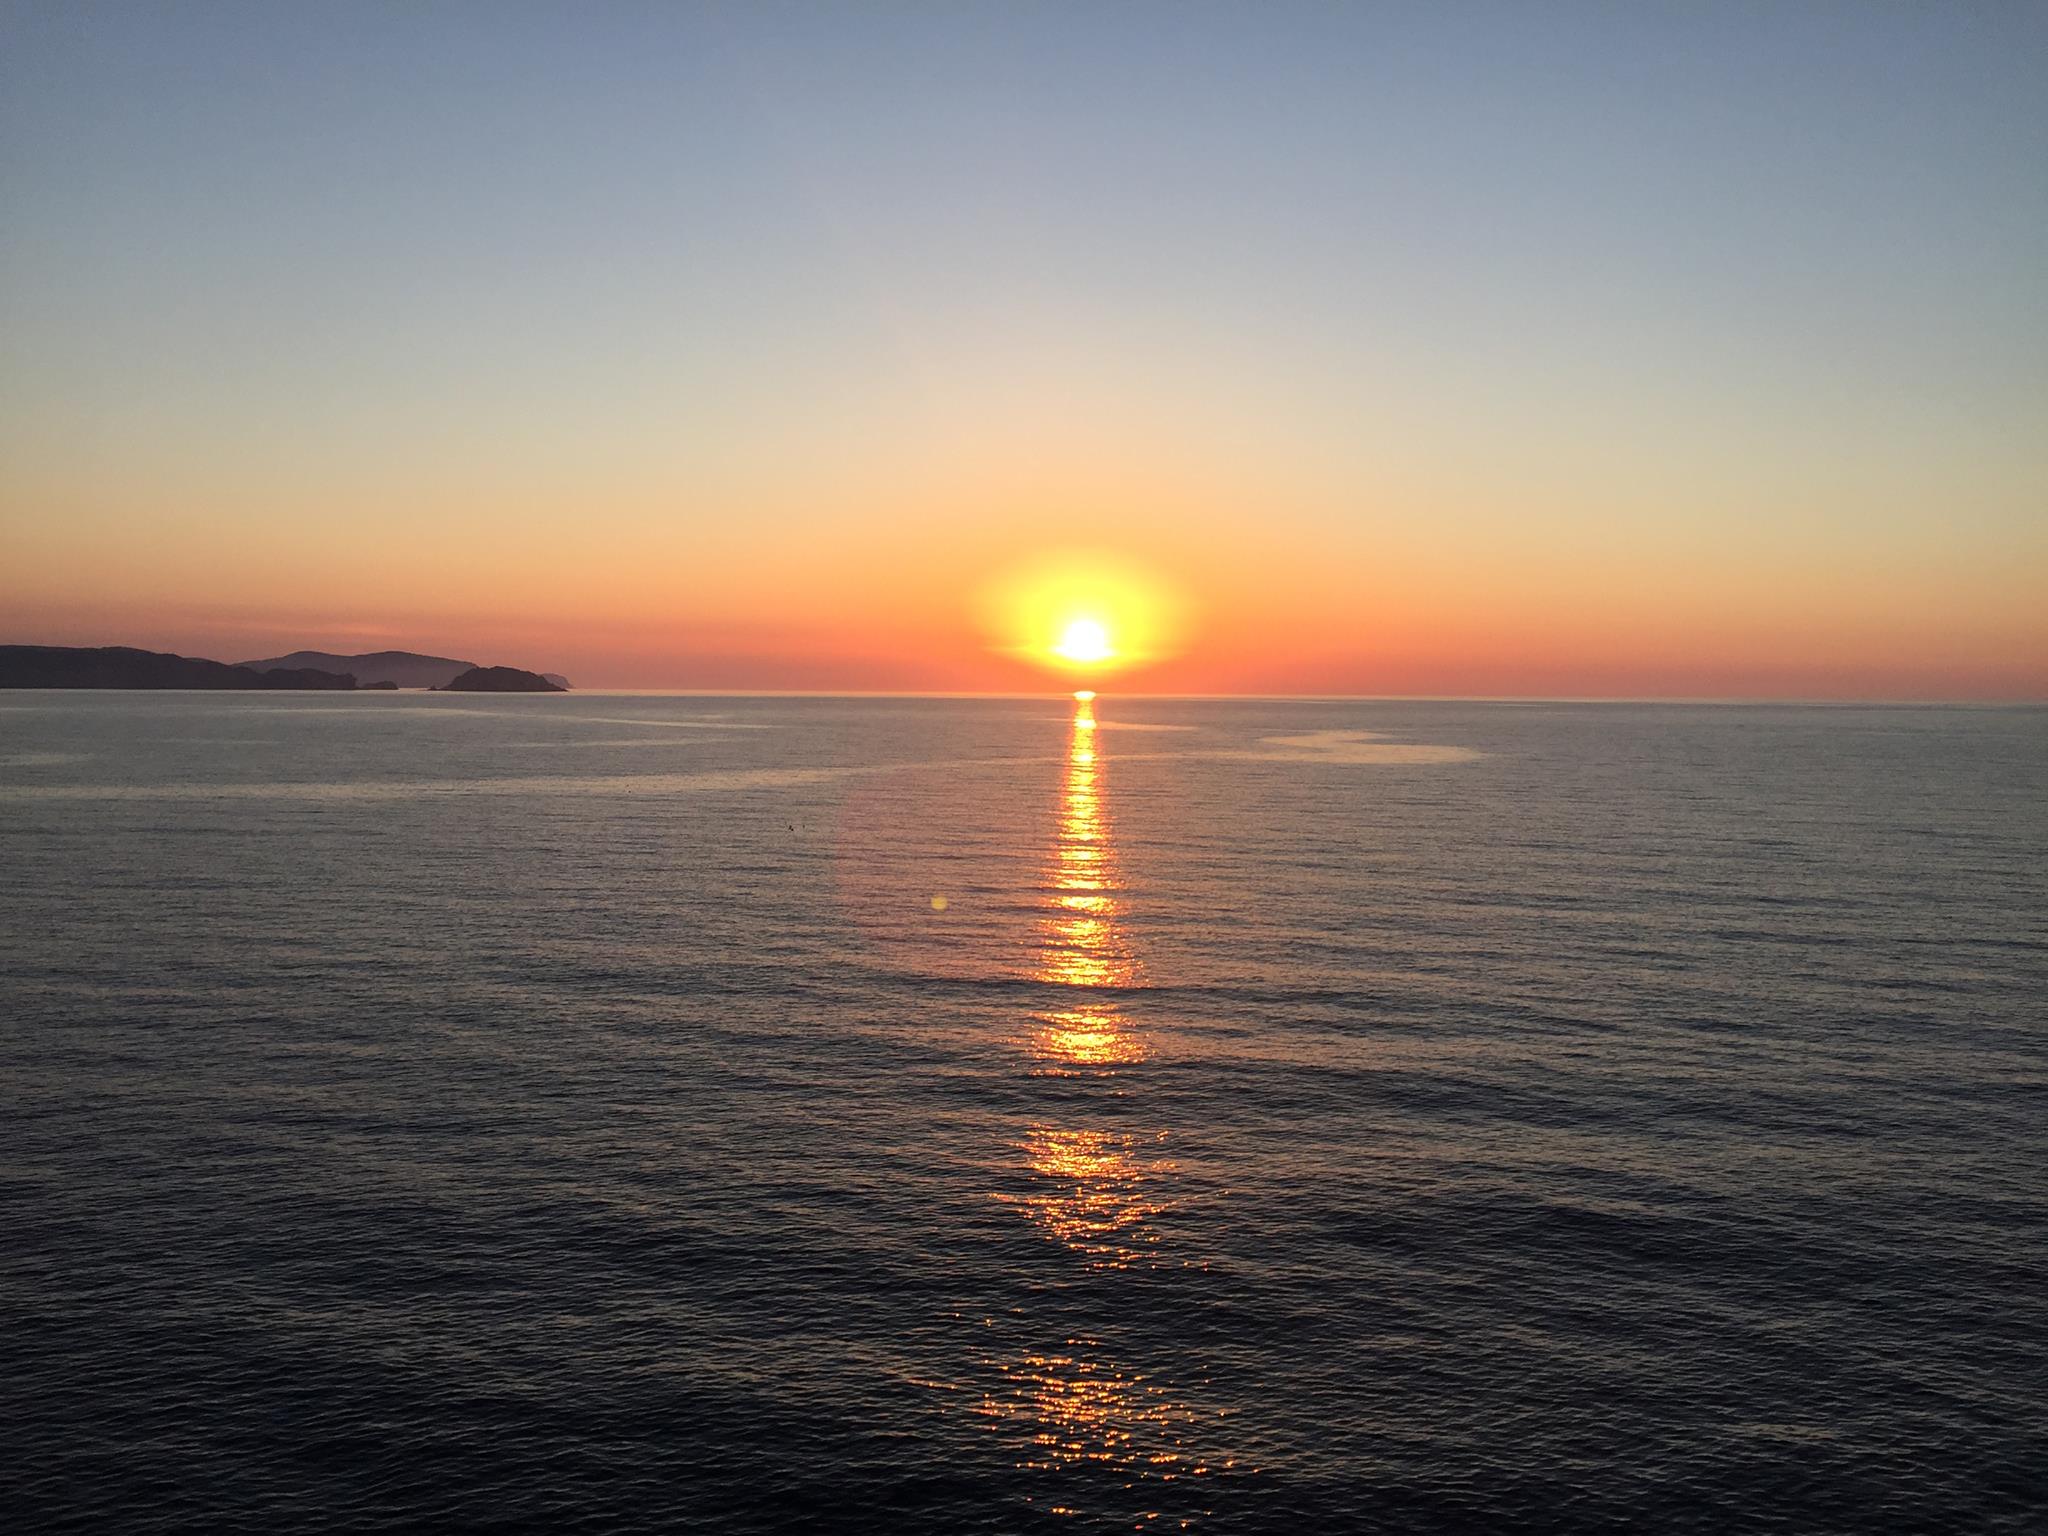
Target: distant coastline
(121, 666)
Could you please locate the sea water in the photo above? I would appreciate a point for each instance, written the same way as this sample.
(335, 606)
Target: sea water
(630, 1113)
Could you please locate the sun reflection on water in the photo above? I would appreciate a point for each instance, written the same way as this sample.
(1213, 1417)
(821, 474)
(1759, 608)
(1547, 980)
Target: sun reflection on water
(1099, 1190)
(1080, 944)
(1087, 1409)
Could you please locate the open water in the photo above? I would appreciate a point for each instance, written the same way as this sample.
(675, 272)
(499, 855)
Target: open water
(632, 1114)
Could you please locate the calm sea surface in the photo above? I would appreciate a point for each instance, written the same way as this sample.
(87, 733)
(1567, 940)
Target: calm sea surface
(638, 1114)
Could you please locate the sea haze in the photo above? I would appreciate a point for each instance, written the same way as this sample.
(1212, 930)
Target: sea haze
(645, 1113)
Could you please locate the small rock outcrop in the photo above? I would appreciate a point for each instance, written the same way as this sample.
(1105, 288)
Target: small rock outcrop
(500, 680)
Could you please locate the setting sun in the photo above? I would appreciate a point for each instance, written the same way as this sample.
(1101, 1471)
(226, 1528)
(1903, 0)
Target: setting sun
(1084, 610)
(1085, 641)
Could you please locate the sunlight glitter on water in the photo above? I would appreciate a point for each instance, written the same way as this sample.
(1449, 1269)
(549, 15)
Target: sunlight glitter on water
(1088, 1409)
(1098, 1190)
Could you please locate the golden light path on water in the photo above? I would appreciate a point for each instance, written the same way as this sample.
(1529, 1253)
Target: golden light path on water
(1098, 1190)
(1081, 945)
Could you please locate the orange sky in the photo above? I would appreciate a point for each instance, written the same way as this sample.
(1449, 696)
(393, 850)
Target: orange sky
(1275, 601)
(1297, 569)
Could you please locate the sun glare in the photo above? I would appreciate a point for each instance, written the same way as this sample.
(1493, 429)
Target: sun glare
(1084, 611)
(1085, 641)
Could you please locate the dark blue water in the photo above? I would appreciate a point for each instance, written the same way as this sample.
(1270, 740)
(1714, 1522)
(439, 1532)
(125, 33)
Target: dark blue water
(579, 1114)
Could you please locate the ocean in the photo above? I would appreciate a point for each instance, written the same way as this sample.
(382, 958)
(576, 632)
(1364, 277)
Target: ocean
(646, 1113)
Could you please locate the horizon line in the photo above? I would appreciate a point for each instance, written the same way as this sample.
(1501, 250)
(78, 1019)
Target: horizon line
(1993, 701)
(2029, 702)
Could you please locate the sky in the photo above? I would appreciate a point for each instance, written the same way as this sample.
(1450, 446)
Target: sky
(1556, 350)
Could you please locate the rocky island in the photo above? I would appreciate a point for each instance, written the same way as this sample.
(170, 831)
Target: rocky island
(500, 680)
(401, 669)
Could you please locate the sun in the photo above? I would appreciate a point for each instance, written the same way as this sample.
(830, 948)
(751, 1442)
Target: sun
(1085, 642)
(1086, 612)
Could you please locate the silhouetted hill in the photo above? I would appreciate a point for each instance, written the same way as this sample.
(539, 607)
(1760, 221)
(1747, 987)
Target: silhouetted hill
(121, 666)
(501, 680)
(408, 669)
(558, 680)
